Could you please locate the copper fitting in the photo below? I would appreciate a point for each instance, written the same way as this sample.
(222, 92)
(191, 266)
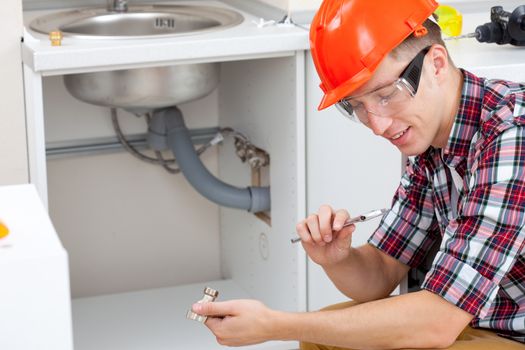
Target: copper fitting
(210, 294)
(56, 38)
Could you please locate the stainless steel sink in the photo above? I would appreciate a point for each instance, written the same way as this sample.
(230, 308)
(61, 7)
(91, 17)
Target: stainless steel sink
(143, 88)
(140, 21)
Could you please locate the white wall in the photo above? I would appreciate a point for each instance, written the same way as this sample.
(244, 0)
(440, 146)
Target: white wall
(303, 5)
(463, 5)
(294, 5)
(13, 151)
(127, 225)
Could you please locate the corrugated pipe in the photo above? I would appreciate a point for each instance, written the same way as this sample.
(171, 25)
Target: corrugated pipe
(167, 130)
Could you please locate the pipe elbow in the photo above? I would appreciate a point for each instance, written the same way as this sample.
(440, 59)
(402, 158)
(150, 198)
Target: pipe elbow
(170, 122)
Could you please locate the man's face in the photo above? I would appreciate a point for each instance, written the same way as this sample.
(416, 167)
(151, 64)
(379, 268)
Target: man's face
(412, 125)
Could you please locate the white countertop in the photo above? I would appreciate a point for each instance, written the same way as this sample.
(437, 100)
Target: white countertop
(244, 41)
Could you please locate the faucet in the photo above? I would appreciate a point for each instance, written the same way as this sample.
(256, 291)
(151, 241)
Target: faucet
(117, 5)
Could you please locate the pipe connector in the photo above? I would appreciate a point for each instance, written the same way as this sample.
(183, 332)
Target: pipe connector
(260, 199)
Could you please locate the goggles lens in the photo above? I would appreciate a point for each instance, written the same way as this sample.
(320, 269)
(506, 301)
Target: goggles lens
(383, 102)
(387, 100)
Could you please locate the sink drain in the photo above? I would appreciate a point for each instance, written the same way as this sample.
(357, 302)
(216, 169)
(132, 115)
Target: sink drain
(164, 23)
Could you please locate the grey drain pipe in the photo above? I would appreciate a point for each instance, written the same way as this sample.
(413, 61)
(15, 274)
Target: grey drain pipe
(167, 130)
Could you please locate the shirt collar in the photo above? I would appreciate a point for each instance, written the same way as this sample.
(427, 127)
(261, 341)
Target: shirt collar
(466, 121)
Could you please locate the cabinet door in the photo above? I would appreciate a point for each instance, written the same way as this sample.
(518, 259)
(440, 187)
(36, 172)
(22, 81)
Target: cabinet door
(12, 122)
(347, 167)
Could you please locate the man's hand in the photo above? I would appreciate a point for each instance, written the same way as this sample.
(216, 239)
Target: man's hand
(238, 322)
(324, 239)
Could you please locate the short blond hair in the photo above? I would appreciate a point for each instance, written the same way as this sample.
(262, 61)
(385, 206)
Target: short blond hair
(412, 45)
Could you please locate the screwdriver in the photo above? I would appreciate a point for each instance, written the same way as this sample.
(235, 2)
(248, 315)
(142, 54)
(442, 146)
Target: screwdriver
(360, 218)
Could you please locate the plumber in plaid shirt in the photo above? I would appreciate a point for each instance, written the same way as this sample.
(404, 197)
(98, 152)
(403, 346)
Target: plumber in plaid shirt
(463, 191)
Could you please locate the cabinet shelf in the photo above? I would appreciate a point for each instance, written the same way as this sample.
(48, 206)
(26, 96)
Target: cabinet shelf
(152, 319)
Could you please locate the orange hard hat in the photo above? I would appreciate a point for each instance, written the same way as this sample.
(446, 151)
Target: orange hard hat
(350, 38)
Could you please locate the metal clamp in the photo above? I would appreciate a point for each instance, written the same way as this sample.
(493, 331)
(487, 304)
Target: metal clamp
(210, 294)
(247, 152)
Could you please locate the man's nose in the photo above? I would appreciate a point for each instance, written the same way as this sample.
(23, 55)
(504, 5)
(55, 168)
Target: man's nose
(378, 124)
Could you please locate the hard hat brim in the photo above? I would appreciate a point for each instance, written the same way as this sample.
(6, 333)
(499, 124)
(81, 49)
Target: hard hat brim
(351, 85)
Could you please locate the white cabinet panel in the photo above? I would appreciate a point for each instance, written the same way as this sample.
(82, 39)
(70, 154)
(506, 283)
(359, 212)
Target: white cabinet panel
(12, 121)
(268, 106)
(347, 167)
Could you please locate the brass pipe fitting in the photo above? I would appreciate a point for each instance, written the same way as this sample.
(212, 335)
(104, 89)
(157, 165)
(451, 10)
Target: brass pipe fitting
(210, 294)
(56, 38)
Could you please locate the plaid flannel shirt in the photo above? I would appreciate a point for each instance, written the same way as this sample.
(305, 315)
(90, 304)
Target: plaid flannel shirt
(480, 265)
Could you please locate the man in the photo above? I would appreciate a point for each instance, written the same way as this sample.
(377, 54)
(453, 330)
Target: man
(464, 186)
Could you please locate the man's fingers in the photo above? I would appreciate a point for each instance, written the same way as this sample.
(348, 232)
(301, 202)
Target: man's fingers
(217, 308)
(325, 222)
(339, 219)
(312, 222)
(344, 237)
(213, 322)
(302, 231)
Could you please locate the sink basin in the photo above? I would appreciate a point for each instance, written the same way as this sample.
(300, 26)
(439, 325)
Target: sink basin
(141, 21)
(142, 88)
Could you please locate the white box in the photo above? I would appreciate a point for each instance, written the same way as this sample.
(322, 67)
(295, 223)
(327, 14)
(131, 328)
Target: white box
(35, 311)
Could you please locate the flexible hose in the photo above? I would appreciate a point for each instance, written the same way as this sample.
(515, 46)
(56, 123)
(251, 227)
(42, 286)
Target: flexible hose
(169, 123)
(159, 160)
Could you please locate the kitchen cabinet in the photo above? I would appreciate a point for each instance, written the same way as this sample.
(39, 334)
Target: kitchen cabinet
(142, 244)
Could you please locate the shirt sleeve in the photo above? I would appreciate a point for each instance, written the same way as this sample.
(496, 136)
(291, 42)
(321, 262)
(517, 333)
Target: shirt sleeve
(410, 228)
(481, 246)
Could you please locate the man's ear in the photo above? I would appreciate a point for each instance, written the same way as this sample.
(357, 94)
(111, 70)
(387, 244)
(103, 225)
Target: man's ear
(440, 63)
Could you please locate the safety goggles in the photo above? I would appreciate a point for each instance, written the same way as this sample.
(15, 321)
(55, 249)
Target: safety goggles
(387, 100)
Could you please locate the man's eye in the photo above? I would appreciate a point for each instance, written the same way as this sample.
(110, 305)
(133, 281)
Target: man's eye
(385, 98)
(357, 105)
